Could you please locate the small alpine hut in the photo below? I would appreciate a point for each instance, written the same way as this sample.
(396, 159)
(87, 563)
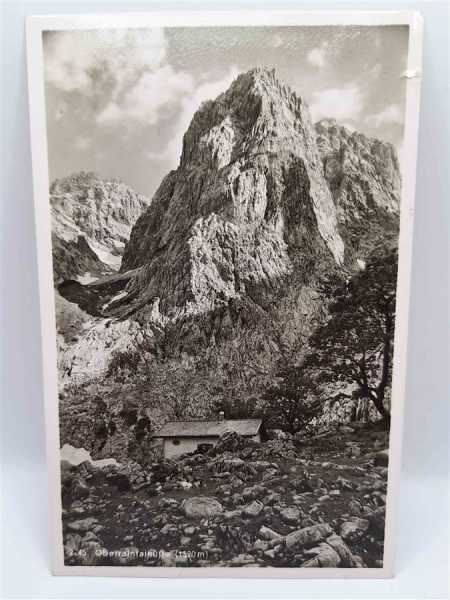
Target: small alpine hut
(180, 437)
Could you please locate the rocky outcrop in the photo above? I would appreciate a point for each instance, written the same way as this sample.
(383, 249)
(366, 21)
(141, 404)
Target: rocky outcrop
(91, 221)
(363, 175)
(200, 507)
(230, 508)
(247, 208)
(75, 259)
(90, 354)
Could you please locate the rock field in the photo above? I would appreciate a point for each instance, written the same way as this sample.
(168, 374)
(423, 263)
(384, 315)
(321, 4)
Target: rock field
(285, 503)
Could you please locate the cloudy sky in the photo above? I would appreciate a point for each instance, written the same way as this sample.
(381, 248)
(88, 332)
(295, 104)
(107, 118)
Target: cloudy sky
(119, 101)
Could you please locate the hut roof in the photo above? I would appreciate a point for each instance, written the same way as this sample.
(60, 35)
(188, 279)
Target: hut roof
(244, 427)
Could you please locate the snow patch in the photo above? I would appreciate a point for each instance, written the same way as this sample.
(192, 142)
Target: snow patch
(106, 256)
(76, 456)
(118, 296)
(86, 278)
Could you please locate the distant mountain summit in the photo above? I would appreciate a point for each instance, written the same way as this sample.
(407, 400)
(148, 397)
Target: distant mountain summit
(363, 175)
(91, 221)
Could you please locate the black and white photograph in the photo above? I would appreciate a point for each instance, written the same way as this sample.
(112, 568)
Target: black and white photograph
(225, 208)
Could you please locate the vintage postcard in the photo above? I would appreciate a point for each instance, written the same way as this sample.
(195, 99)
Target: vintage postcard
(224, 207)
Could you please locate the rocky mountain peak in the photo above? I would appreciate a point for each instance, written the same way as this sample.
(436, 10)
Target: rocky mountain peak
(363, 175)
(247, 203)
(360, 156)
(91, 221)
(256, 114)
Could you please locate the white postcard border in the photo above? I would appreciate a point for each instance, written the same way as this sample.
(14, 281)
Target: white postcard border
(35, 64)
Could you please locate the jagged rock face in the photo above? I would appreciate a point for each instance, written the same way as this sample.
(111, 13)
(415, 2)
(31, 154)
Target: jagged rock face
(247, 208)
(363, 175)
(90, 355)
(74, 259)
(91, 221)
(218, 282)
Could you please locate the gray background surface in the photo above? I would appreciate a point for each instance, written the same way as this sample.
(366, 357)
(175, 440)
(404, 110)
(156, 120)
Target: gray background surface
(422, 563)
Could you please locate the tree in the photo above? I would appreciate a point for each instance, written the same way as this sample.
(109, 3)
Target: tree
(355, 345)
(293, 402)
(237, 407)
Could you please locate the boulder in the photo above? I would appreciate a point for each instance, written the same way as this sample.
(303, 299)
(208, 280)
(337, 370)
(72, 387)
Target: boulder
(90, 537)
(291, 515)
(167, 503)
(263, 465)
(272, 499)
(347, 558)
(135, 472)
(260, 545)
(251, 493)
(73, 485)
(382, 458)
(189, 530)
(236, 499)
(92, 552)
(233, 463)
(72, 542)
(308, 535)
(242, 560)
(353, 449)
(83, 525)
(307, 483)
(354, 507)
(253, 509)
(269, 534)
(167, 529)
(229, 441)
(327, 557)
(79, 489)
(377, 520)
(118, 479)
(346, 429)
(354, 529)
(345, 484)
(200, 507)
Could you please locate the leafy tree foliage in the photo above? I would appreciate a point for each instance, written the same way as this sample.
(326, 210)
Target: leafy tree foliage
(291, 404)
(355, 345)
(237, 407)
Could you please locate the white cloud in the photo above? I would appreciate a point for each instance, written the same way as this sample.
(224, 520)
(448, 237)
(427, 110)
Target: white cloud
(127, 75)
(110, 114)
(125, 69)
(74, 60)
(154, 91)
(338, 103)
(189, 105)
(82, 143)
(317, 55)
(391, 114)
